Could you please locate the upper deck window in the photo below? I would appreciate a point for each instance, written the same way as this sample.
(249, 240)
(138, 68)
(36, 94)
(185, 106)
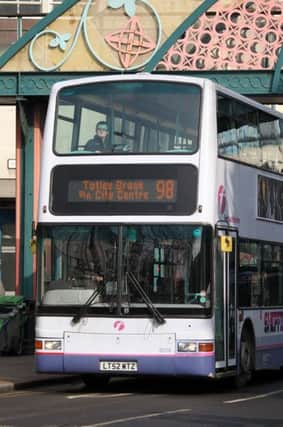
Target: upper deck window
(249, 135)
(127, 117)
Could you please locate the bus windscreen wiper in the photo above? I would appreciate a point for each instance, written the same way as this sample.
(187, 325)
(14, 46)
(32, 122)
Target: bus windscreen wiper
(83, 309)
(156, 314)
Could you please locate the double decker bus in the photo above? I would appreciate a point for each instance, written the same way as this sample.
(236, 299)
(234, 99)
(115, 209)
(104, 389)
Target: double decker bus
(160, 254)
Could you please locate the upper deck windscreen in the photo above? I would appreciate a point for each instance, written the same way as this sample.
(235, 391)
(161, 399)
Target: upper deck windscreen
(127, 117)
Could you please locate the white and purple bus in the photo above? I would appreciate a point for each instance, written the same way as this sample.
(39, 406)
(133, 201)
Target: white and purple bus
(162, 252)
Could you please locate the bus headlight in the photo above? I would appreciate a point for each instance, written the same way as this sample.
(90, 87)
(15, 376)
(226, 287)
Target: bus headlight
(53, 345)
(187, 346)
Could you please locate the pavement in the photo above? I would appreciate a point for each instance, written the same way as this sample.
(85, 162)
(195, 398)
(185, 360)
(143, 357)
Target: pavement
(18, 372)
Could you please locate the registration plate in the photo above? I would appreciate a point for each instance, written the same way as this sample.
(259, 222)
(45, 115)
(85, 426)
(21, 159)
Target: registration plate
(119, 366)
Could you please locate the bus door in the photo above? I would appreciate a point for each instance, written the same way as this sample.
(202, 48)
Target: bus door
(225, 299)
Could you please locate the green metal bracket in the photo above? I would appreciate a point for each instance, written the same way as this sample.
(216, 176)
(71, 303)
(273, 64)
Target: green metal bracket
(27, 154)
(23, 119)
(37, 28)
(277, 73)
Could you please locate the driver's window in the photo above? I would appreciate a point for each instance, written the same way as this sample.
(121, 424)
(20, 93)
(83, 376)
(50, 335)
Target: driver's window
(87, 130)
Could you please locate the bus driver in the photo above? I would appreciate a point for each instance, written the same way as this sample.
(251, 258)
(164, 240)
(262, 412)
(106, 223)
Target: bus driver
(99, 141)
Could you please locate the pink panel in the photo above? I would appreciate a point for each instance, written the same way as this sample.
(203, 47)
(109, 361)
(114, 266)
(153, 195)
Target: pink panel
(244, 35)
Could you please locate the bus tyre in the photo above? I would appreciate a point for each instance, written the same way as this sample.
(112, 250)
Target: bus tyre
(246, 362)
(95, 381)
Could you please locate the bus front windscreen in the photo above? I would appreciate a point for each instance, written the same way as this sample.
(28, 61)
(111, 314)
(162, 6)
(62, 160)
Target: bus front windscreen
(171, 263)
(127, 117)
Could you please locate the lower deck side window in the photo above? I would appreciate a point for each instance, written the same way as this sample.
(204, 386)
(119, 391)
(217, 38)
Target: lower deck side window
(260, 274)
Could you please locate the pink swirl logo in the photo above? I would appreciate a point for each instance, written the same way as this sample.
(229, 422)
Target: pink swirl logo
(119, 325)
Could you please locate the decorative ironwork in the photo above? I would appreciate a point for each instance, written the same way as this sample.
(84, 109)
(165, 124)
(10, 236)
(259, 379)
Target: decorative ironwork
(244, 35)
(130, 42)
(129, 6)
(39, 84)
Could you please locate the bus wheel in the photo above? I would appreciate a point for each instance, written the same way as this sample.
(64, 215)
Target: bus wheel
(95, 381)
(246, 359)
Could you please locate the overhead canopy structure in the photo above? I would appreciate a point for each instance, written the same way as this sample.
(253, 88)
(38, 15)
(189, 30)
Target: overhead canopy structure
(237, 43)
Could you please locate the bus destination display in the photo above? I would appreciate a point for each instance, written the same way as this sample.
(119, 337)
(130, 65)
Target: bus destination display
(123, 190)
(130, 189)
